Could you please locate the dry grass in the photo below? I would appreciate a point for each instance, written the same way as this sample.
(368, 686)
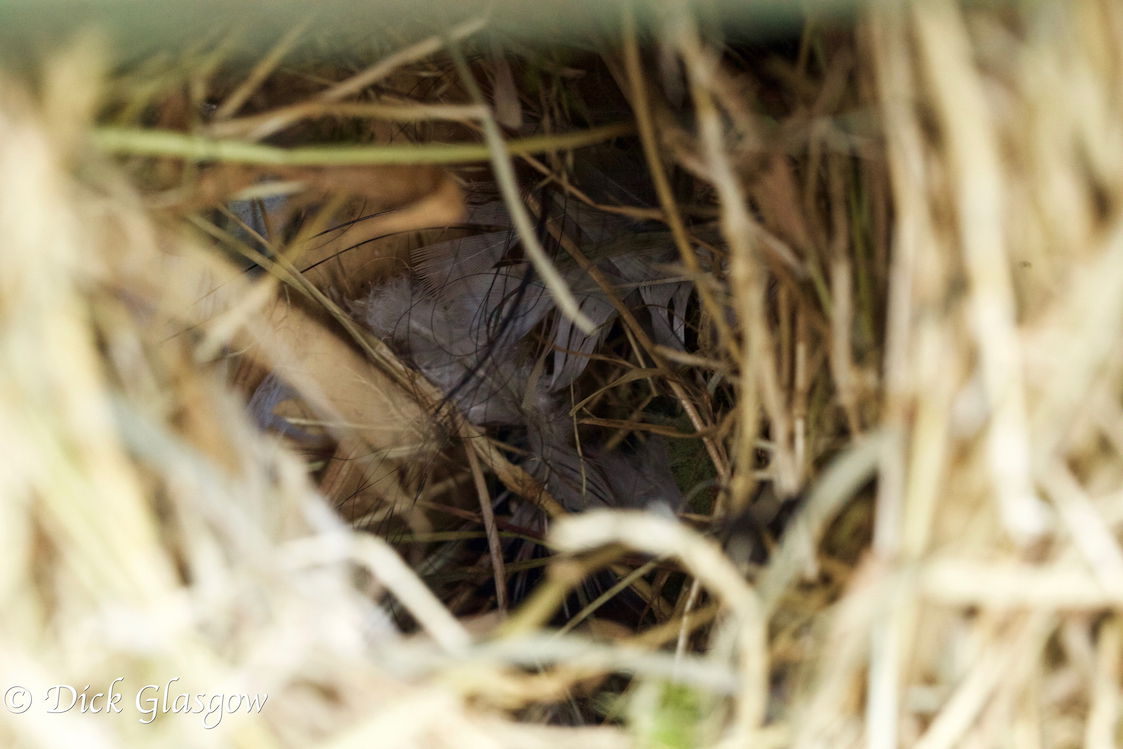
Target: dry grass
(904, 237)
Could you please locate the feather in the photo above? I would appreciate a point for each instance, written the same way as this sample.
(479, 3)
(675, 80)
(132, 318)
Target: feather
(462, 335)
(578, 484)
(263, 404)
(573, 348)
(463, 317)
(443, 263)
(642, 478)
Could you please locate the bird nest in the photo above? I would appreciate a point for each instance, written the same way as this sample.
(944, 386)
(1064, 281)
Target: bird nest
(675, 379)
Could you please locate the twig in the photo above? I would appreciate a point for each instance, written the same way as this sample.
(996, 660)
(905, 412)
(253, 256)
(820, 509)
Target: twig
(492, 532)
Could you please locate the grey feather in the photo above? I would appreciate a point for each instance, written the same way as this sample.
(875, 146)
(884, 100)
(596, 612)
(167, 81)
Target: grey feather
(270, 394)
(463, 319)
(642, 479)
